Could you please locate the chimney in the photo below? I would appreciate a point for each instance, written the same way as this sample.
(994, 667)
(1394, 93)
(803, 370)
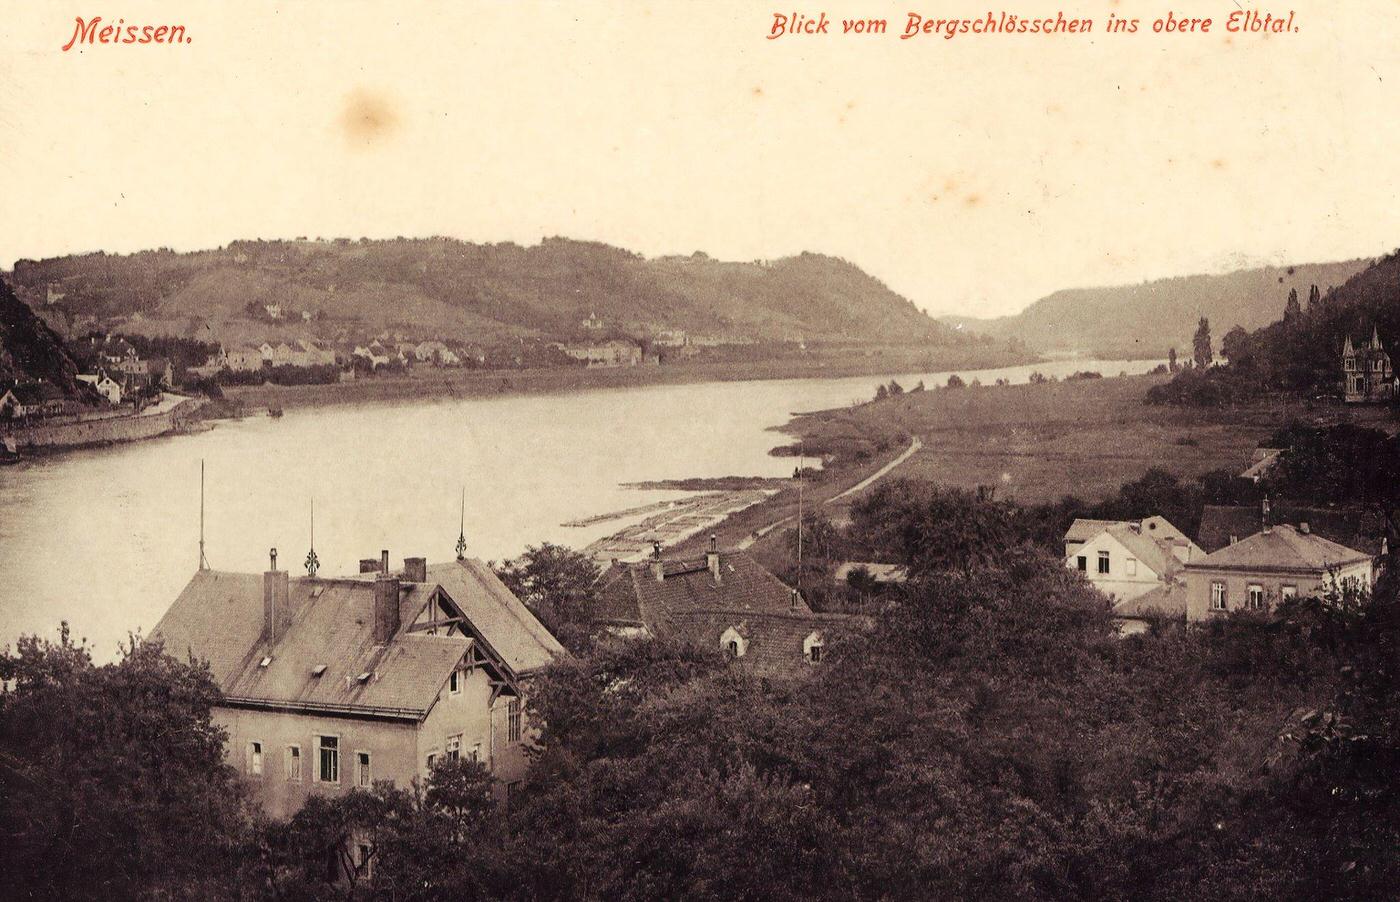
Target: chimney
(384, 561)
(369, 565)
(658, 569)
(712, 559)
(277, 609)
(415, 569)
(1268, 524)
(793, 600)
(386, 608)
(1304, 528)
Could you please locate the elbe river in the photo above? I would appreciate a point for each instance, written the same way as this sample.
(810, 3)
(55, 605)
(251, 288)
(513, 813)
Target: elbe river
(106, 538)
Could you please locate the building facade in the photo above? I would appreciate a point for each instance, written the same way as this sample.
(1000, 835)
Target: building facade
(332, 684)
(1277, 563)
(1367, 373)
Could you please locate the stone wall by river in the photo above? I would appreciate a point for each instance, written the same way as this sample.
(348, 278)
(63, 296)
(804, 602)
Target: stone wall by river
(102, 430)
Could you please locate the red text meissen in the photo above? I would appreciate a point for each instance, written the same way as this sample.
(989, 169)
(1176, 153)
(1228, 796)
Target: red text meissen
(92, 31)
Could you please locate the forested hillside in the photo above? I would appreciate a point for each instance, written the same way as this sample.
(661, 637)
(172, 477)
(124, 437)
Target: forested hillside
(30, 350)
(444, 286)
(1145, 320)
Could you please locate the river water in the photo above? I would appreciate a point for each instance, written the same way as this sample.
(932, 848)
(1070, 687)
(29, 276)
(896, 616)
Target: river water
(106, 538)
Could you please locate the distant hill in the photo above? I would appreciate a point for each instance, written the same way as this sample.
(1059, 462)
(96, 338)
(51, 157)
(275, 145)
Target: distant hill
(453, 289)
(1145, 320)
(30, 350)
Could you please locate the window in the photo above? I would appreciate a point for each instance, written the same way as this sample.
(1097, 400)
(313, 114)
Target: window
(454, 683)
(1103, 561)
(734, 648)
(364, 854)
(1256, 596)
(293, 763)
(733, 643)
(255, 758)
(329, 771)
(1083, 563)
(1217, 596)
(476, 752)
(1288, 592)
(1350, 363)
(454, 747)
(1130, 565)
(362, 772)
(513, 720)
(432, 759)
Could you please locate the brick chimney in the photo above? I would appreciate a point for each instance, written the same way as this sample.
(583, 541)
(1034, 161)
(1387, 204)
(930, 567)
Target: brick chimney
(658, 569)
(415, 569)
(386, 608)
(712, 559)
(277, 608)
(384, 561)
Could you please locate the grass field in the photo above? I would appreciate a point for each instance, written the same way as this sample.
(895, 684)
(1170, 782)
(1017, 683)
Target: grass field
(1038, 443)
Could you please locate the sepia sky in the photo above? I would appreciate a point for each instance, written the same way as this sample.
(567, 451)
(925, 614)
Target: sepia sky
(972, 175)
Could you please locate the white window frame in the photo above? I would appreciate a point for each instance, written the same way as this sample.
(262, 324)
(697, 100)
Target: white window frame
(1105, 564)
(453, 751)
(291, 763)
(364, 768)
(1219, 598)
(1255, 595)
(254, 764)
(1288, 592)
(320, 750)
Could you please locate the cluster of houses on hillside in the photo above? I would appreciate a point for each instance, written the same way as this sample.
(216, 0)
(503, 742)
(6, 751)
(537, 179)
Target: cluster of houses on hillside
(1151, 571)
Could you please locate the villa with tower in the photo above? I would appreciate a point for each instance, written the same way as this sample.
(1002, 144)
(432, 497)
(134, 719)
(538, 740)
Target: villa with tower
(1368, 373)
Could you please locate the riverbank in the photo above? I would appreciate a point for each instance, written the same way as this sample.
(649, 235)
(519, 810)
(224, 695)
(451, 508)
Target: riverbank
(171, 414)
(429, 383)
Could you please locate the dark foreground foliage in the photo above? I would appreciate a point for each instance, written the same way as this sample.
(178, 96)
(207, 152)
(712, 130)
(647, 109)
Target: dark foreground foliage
(988, 737)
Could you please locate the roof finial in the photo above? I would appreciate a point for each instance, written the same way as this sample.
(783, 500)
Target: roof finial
(313, 563)
(462, 534)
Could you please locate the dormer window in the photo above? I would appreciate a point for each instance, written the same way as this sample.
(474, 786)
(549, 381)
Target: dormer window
(812, 648)
(734, 644)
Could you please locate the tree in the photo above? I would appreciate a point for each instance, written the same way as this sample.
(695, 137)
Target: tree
(881, 392)
(1292, 311)
(956, 381)
(895, 389)
(556, 583)
(1314, 300)
(1200, 344)
(1171, 360)
(113, 778)
(1235, 346)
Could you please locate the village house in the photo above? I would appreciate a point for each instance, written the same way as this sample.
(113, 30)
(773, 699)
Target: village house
(106, 386)
(245, 359)
(429, 351)
(1368, 375)
(614, 352)
(28, 400)
(1276, 563)
(723, 600)
(1137, 564)
(330, 684)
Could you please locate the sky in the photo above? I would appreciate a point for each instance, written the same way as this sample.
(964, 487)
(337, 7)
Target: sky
(971, 175)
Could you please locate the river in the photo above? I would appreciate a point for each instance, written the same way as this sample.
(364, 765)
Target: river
(106, 538)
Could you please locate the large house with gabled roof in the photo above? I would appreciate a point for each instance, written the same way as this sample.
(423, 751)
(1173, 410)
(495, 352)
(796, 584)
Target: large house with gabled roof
(333, 683)
(724, 600)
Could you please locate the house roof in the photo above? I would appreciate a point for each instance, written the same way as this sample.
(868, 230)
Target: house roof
(219, 618)
(774, 640)
(502, 619)
(1362, 530)
(1281, 548)
(1153, 554)
(631, 593)
(1083, 529)
(1167, 600)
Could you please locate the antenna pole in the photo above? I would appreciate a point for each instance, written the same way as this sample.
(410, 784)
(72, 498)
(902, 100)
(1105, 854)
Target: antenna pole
(462, 535)
(203, 561)
(313, 563)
